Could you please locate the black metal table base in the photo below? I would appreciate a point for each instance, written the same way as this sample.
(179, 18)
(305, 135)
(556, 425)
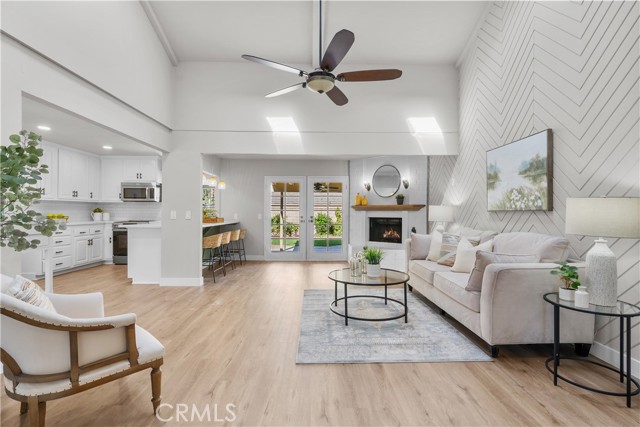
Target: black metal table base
(595, 390)
(346, 299)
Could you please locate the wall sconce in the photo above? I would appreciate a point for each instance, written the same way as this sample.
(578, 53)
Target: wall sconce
(405, 183)
(367, 186)
(222, 185)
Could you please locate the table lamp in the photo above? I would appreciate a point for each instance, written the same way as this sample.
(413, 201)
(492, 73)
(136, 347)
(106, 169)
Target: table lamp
(603, 217)
(442, 214)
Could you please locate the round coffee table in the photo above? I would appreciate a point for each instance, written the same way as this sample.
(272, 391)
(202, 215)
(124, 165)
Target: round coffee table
(387, 278)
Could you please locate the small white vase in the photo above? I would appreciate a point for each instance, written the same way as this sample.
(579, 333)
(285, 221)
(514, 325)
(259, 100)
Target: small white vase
(106, 216)
(97, 216)
(566, 294)
(373, 270)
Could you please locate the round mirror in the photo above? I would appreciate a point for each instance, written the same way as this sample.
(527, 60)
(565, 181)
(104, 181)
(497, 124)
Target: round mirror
(386, 181)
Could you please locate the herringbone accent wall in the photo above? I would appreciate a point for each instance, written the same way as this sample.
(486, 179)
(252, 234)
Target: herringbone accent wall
(569, 66)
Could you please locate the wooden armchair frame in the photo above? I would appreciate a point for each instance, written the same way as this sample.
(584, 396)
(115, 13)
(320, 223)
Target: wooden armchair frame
(36, 405)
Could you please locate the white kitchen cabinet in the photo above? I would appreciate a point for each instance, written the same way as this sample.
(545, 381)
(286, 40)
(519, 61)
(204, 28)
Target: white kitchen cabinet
(81, 250)
(141, 169)
(108, 243)
(94, 177)
(96, 249)
(49, 183)
(112, 175)
(73, 175)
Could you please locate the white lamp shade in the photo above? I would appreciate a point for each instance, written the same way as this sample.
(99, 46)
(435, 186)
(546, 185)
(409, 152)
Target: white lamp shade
(604, 217)
(441, 213)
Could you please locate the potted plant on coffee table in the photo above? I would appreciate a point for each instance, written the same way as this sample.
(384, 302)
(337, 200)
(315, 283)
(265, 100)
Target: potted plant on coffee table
(374, 257)
(400, 199)
(570, 281)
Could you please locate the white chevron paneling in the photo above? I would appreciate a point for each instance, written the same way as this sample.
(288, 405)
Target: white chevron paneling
(573, 67)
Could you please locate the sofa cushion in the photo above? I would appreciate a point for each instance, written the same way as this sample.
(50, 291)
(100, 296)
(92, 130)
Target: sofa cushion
(426, 269)
(419, 246)
(453, 285)
(483, 259)
(548, 248)
(466, 254)
(434, 248)
(448, 249)
(467, 232)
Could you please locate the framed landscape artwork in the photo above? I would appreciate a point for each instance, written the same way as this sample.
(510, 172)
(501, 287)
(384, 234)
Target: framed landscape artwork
(519, 174)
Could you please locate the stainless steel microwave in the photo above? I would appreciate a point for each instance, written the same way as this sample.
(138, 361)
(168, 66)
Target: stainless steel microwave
(140, 192)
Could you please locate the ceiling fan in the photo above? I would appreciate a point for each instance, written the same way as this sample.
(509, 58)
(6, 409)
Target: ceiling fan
(322, 80)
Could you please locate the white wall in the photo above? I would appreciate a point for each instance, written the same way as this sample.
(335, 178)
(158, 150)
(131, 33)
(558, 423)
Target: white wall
(221, 109)
(413, 168)
(571, 67)
(110, 43)
(244, 194)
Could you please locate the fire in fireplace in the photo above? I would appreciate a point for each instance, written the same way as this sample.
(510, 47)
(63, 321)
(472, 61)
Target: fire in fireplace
(386, 230)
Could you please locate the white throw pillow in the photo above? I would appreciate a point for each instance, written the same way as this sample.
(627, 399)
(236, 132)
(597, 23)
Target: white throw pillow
(436, 243)
(466, 255)
(29, 292)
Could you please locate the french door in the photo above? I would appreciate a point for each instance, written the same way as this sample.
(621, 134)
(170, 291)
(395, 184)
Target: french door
(306, 218)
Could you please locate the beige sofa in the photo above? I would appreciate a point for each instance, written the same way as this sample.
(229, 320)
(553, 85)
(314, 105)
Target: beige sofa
(510, 308)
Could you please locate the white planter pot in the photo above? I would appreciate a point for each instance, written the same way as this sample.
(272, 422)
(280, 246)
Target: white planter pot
(566, 294)
(97, 216)
(373, 270)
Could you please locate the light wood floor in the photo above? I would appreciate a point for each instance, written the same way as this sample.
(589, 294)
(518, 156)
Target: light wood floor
(235, 342)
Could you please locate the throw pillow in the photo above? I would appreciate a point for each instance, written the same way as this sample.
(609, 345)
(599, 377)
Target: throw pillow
(29, 292)
(448, 249)
(419, 246)
(436, 242)
(466, 257)
(483, 259)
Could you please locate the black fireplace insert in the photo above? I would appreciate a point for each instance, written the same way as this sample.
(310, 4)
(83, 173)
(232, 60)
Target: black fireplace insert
(386, 230)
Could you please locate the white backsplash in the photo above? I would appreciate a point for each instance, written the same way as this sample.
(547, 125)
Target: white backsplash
(78, 211)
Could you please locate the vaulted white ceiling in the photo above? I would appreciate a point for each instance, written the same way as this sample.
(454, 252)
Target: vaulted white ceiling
(387, 32)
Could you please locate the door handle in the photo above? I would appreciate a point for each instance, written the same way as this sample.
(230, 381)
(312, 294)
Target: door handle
(58, 263)
(109, 239)
(58, 252)
(91, 195)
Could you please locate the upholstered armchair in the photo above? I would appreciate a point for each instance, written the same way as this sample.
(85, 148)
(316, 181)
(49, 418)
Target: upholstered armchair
(48, 355)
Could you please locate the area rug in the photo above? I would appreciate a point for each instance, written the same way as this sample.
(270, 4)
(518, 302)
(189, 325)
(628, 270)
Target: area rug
(427, 337)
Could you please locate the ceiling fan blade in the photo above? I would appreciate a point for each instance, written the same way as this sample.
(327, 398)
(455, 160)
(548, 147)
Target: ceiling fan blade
(338, 48)
(369, 75)
(337, 96)
(275, 65)
(286, 90)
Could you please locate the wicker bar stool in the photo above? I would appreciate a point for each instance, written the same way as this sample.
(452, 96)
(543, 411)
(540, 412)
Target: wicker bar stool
(234, 244)
(210, 244)
(226, 255)
(241, 251)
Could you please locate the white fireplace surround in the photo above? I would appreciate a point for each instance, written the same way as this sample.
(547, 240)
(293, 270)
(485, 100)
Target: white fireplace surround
(383, 214)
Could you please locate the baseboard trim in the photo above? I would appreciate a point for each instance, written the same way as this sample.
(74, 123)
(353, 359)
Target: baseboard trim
(255, 257)
(181, 281)
(612, 357)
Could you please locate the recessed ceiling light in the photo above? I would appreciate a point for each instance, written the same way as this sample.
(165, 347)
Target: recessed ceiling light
(107, 147)
(43, 127)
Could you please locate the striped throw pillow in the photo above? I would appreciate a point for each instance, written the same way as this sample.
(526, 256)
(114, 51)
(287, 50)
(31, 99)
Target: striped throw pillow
(449, 248)
(29, 292)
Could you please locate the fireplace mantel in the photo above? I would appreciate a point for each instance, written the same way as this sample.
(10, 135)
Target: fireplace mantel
(388, 207)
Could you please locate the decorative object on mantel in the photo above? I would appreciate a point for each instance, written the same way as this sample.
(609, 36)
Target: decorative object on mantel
(374, 257)
(520, 174)
(358, 201)
(442, 214)
(400, 199)
(364, 201)
(387, 207)
(570, 280)
(605, 217)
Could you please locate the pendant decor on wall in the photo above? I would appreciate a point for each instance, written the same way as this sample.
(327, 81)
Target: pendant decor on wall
(520, 174)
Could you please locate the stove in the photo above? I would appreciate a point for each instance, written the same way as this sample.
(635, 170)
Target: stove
(120, 239)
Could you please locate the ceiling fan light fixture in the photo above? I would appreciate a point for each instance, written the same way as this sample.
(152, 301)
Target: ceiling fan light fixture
(321, 83)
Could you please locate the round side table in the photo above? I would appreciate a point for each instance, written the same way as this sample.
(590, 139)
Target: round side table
(624, 311)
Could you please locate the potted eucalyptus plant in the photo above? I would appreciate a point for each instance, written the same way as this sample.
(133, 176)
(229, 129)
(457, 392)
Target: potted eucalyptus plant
(570, 280)
(374, 257)
(21, 170)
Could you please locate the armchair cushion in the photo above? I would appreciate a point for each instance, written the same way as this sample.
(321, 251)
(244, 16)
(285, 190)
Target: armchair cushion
(78, 305)
(29, 292)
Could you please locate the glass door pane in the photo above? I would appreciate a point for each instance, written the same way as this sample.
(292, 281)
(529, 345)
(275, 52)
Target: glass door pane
(283, 216)
(327, 201)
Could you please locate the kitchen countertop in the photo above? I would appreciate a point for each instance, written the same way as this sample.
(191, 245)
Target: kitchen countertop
(158, 224)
